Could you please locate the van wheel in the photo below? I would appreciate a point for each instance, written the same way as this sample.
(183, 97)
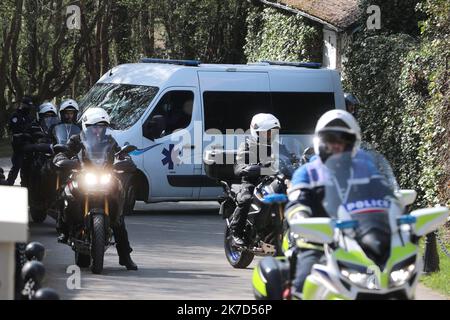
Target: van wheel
(239, 259)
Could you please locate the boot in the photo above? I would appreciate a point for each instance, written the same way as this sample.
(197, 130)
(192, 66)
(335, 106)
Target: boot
(123, 246)
(125, 260)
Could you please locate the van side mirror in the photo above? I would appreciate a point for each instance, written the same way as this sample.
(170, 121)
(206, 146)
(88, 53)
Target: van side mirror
(155, 127)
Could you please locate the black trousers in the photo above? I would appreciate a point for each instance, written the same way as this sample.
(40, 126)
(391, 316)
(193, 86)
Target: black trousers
(119, 231)
(121, 236)
(244, 200)
(17, 164)
(305, 260)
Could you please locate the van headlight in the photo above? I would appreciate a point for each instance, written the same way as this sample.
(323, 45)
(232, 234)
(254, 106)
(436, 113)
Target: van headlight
(400, 276)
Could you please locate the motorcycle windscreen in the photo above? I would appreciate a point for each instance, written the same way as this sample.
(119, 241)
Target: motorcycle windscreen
(289, 154)
(62, 132)
(356, 190)
(47, 122)
(97, 146)
(380, 162)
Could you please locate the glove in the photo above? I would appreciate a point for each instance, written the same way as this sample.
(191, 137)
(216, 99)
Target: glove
(251, 171)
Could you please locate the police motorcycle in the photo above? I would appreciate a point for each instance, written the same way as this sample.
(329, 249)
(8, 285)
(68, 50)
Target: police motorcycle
(370, 241)
(265, 224)
(93, 196)
(41, 177)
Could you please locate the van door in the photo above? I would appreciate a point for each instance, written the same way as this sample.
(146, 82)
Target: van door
(168, 137)
(230, 100)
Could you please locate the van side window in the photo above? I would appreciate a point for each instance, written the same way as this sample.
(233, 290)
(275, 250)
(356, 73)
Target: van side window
(233, 110)
(298, 112)
(175, 111)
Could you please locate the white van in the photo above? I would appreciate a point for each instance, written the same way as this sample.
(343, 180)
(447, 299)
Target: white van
(149, 101)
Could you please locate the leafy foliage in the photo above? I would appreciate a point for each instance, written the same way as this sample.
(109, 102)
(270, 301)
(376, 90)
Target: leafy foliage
(403, 83)
(275, 35)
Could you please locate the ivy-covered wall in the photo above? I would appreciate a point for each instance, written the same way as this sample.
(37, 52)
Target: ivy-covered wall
(277, 35)
(403, 82)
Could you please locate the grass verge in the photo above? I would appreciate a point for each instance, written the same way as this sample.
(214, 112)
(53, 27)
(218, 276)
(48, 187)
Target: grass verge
(440, 281)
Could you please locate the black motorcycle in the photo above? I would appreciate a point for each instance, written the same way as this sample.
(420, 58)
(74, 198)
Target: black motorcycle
(93, 197)
(264, 229)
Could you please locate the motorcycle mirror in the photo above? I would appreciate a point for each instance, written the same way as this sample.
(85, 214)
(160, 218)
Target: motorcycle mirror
(407, 197)
(126, 149)
(68, 164)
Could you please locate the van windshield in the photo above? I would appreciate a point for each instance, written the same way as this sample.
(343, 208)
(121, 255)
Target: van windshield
(124, 103)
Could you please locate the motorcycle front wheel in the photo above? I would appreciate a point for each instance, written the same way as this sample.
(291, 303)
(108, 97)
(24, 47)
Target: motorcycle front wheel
(98, 240)
(239, 259)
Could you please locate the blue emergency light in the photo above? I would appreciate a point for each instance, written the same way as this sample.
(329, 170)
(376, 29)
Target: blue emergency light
(189, 63)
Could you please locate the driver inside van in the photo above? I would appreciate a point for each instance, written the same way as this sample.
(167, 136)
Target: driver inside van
(179, 116)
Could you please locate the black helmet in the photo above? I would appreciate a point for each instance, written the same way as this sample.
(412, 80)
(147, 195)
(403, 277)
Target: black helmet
(33, 270)
(351, 102)
(308, 153)
(45, 294)
(35, 251)
(27, 100)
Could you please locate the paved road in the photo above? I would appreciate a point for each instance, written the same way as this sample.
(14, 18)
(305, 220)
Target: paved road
(179, 250)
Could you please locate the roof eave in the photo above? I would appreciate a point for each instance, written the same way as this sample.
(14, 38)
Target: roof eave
(303, 14)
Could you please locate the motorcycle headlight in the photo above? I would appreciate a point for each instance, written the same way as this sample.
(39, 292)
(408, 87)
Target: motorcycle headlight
(90, 179)
(363, 280)
(105, 179)
(400, 276)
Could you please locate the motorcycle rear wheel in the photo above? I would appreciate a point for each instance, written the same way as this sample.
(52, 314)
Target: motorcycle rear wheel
(239, 259)
(98, 238)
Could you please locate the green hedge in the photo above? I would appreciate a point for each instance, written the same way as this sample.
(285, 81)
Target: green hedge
(372, 71)
(403, 83)
(276, 35)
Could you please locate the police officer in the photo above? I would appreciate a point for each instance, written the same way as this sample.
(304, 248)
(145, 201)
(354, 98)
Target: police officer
(337, 132)
(95, 122)
(19, 124)
(351, 103)
(253, 155)
(2, 178)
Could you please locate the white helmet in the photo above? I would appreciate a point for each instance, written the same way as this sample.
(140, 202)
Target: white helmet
(337, 121)
(263, 122)
(93, 116)
(70, 103)
(67, 105)
(46, 107)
